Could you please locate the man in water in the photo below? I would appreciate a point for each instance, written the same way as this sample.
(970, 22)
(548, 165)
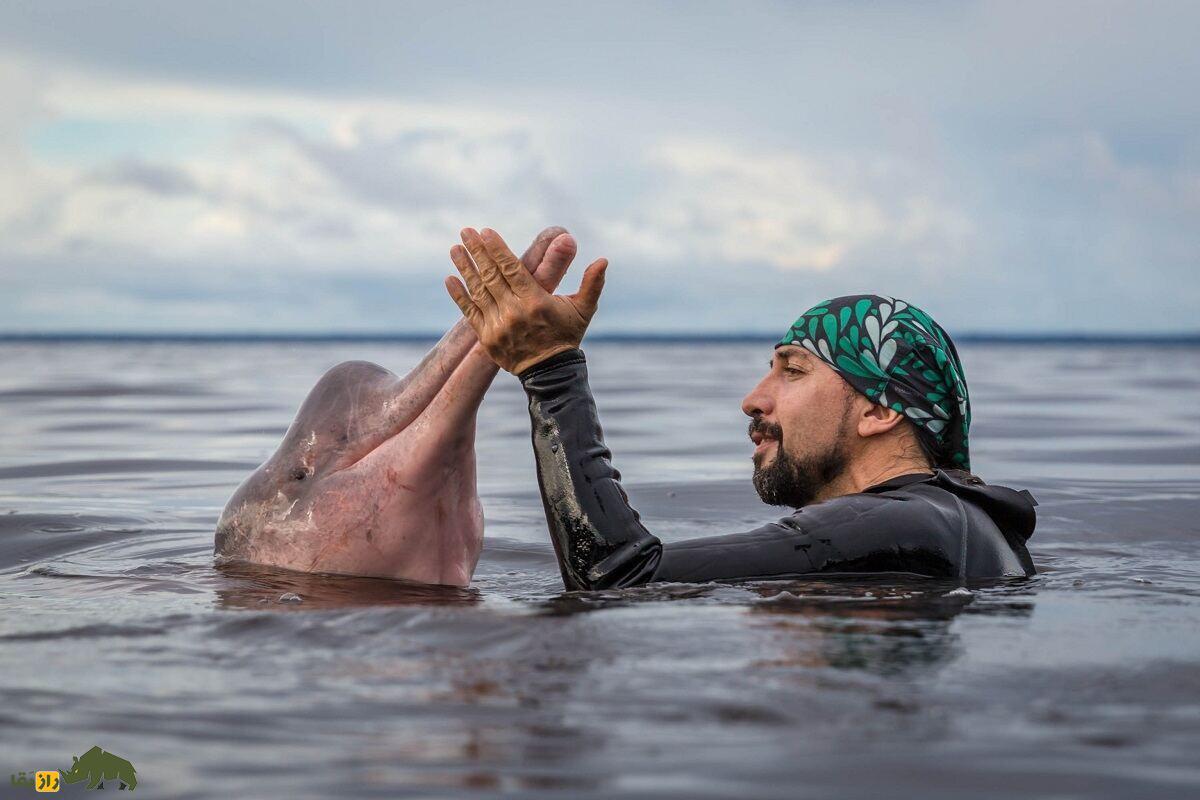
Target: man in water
(860, 424)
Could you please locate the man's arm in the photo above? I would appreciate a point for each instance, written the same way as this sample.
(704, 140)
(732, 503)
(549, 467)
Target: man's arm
(601, 543)
(598, 537)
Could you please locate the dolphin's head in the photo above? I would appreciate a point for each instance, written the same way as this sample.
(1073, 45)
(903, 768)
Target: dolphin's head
(354, 408)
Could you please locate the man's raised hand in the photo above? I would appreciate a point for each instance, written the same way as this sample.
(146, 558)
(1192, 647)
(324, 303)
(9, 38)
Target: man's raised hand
(518, 322)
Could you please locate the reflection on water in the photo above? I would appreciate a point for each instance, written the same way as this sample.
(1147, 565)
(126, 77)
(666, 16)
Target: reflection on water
(879, 626)
(118, 629)
(266, 589)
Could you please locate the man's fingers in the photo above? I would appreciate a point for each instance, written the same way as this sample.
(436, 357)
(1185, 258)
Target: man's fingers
(462, 299)
(466, 268)
(558, 258)
(493, 279)
(510, 266)
(588, 296)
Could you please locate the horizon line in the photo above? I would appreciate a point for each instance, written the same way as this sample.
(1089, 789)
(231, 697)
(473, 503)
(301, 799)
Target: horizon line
(649, 337)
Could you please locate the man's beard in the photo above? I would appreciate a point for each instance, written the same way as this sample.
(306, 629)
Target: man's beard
(796, 482)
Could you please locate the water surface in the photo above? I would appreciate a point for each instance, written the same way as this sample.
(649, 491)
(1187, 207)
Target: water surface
(116, 629)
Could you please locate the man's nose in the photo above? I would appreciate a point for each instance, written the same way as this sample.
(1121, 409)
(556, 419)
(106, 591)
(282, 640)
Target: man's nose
(758, 402)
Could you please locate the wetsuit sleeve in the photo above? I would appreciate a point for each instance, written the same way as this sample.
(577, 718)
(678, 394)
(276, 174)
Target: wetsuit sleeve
(600, 540)
(598, 537)
(849, 534)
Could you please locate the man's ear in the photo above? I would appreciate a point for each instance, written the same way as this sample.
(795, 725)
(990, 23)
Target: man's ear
(875, 419)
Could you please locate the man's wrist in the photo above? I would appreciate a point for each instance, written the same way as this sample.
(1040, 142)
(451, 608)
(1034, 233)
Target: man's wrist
(533, 361)
(569, 355)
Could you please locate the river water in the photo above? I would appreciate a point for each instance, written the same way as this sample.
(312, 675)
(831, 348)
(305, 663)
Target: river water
(117, 630)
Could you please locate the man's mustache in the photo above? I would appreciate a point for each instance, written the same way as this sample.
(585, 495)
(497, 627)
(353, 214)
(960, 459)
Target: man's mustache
(769, 430)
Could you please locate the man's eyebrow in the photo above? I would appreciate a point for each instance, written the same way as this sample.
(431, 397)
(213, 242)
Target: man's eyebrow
(786, 352)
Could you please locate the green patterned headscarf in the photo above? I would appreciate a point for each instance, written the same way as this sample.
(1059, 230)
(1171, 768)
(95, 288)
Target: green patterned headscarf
(896, 355)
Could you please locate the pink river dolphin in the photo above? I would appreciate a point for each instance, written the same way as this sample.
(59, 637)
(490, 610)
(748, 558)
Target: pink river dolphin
(376, 475)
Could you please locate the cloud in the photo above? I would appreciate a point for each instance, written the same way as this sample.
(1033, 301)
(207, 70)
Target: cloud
(162, 180)
(1008, 165)
(379, 185)
(315, 183)
(715, 202)
(1087, 159)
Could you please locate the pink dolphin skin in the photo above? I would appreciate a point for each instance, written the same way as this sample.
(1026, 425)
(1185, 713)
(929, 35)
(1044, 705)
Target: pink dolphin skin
(376, 475)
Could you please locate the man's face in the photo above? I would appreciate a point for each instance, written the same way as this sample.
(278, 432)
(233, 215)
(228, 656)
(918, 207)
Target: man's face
(801, 426)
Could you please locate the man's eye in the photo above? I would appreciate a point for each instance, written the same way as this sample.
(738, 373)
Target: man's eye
(793, 370)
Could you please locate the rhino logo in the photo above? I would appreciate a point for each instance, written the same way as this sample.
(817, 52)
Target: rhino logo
(97, 766)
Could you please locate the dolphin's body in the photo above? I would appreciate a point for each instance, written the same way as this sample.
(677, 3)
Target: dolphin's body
(376, 475)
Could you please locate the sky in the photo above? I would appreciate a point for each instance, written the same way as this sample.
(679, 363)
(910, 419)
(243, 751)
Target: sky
(248, 167)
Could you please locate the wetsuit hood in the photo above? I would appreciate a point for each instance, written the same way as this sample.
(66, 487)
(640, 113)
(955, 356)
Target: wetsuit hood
(1011, 509)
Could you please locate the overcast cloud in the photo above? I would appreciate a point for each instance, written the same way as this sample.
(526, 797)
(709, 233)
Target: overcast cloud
(262, 166)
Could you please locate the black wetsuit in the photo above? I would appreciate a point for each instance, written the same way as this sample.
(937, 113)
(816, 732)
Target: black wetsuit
(949, 524)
